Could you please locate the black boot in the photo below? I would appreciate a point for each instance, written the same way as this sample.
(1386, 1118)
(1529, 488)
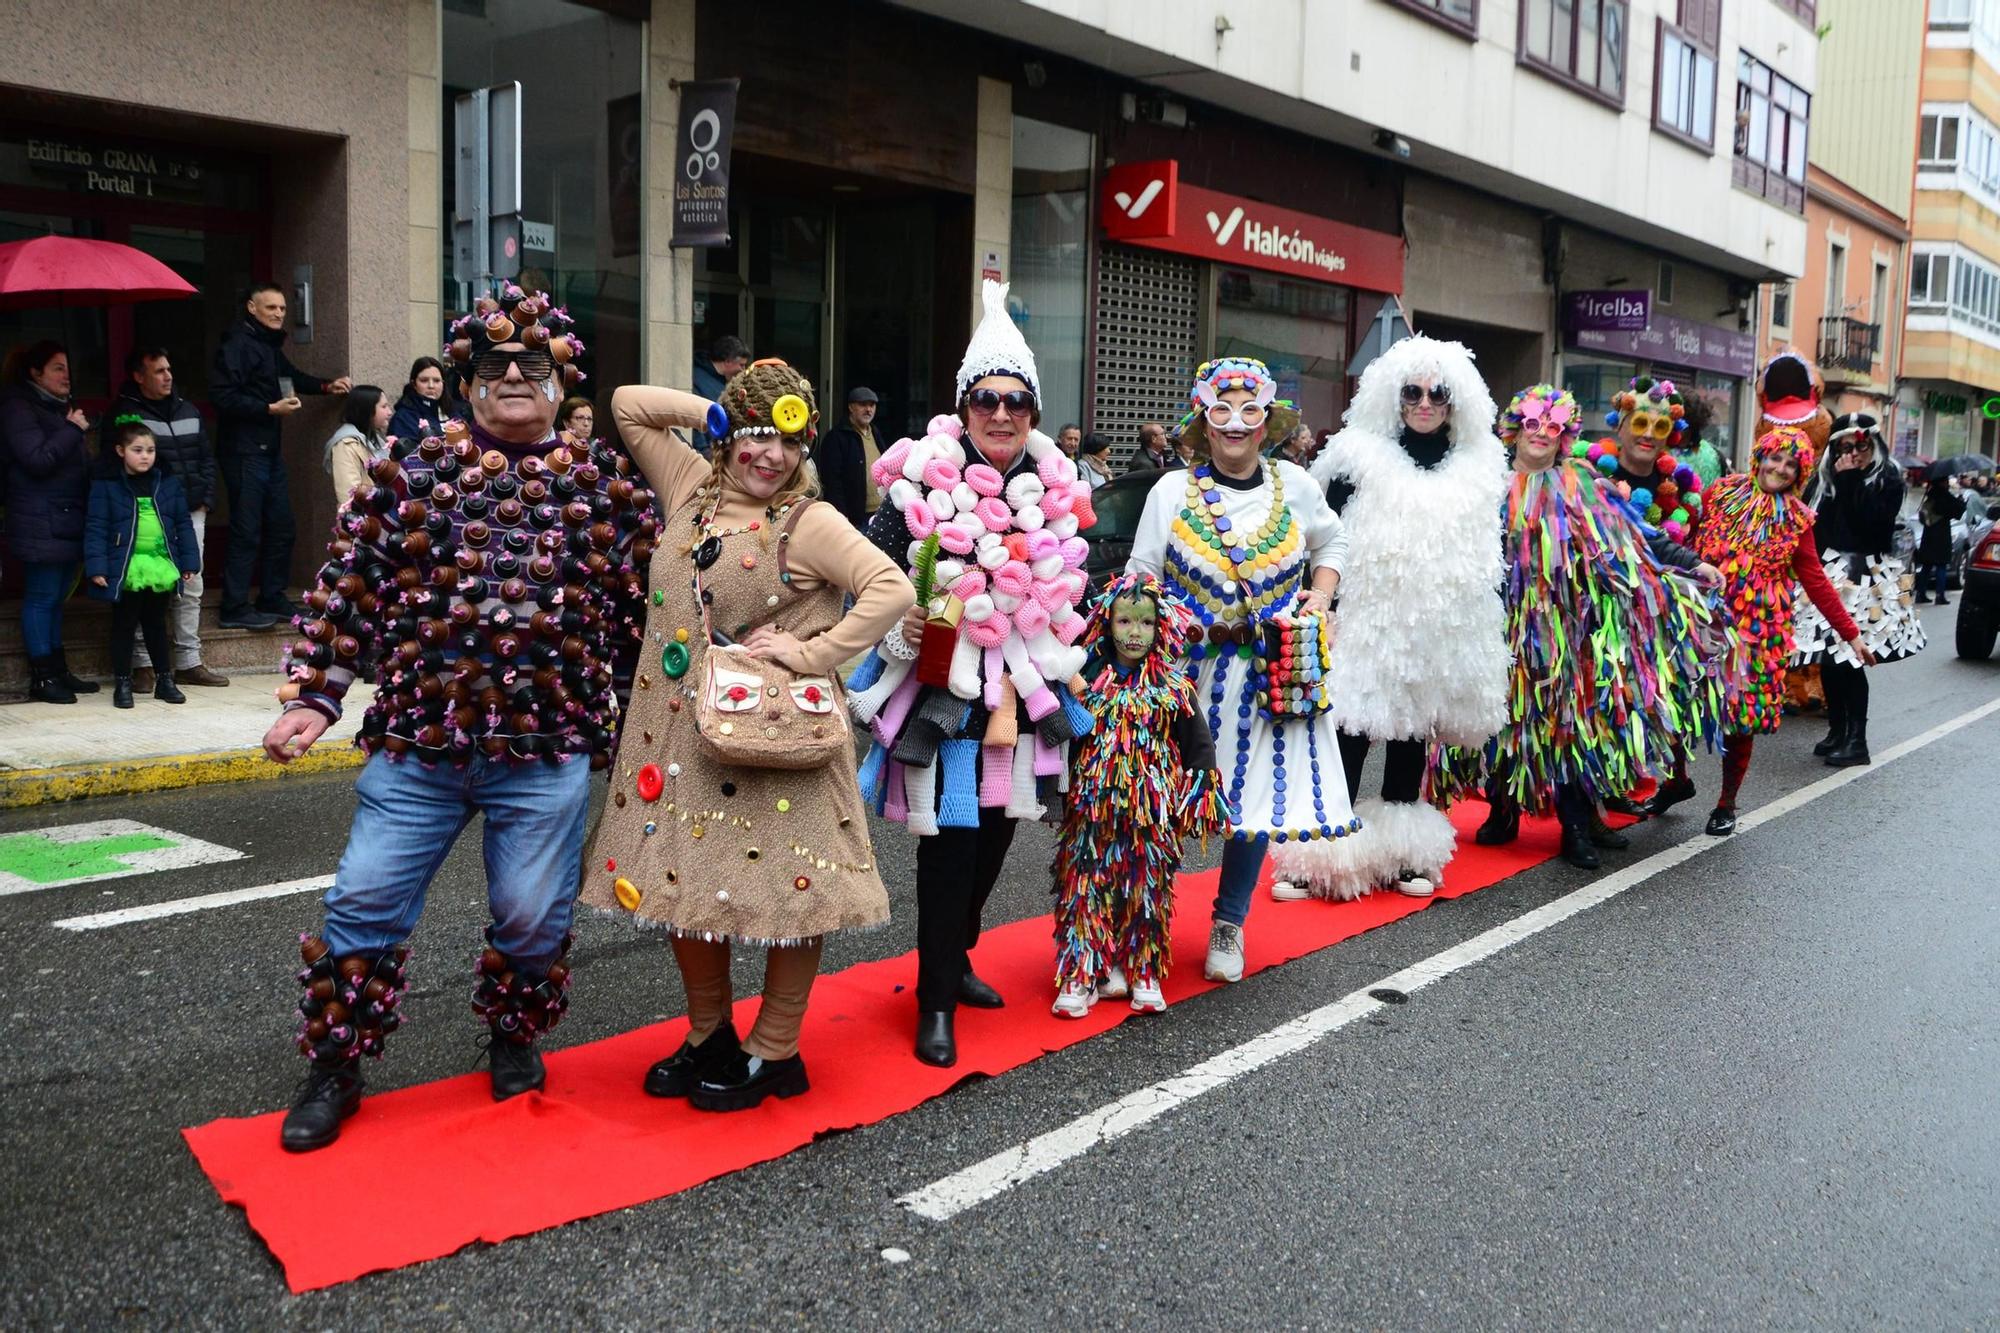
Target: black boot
(937, 1044)
(1852, 751)
(166, 691)
(676, 1075)
(744, 1080)
(77, 684)
(518, 1005)
(330, 1094)
(973, 991)
(1573, 813)
(45, 685)
(1836, 732)
(121, 691)
(516, 1066)
(1503, 818)
(1603, 835)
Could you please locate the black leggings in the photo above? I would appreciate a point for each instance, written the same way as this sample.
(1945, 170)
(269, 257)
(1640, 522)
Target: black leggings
(1846, 690)
(956, 871)
(146, 612)
(1402, 767)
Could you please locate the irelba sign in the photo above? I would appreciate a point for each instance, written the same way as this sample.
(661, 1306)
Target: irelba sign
(1608, 311)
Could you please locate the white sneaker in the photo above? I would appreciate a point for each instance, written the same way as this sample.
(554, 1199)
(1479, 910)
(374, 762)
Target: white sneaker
(1113, 987)
(1413, 885)
(1147, 997)
(1284, 891)
(1074, 1001)
(1225, 953)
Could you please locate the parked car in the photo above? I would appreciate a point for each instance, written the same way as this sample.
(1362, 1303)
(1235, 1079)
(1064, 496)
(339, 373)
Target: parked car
(1119, 503)
(1979, 599)
(1964, 536)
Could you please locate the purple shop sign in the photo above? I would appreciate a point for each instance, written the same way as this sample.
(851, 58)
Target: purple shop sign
(1608, 311)
(1681, 341)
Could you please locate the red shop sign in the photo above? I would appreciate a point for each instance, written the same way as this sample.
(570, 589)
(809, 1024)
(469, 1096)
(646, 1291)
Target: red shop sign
(1145, 203)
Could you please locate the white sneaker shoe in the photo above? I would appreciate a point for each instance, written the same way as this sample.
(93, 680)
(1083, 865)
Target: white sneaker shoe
(1413, 885)
(1074, 1001)
(1113, 987)
(1147, 997)
(1225, 953)
(1284, 891)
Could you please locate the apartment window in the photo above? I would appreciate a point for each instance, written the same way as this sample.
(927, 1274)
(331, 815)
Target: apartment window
(1578, 42)
(1461, 16)
(1836, 279)
(1771, 117)
(1684, 83)
(1781, 306)
(1663, 285)
(1878, 294)
(1801, 9)
(1937, 140)
(1930, 281)
(1949, 14)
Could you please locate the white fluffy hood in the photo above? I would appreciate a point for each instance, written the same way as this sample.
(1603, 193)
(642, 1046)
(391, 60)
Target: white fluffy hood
(1377, 405)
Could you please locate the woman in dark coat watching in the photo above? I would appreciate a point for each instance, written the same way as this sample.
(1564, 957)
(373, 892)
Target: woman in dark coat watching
(1941, 507)
(422, 410)
(45, 451)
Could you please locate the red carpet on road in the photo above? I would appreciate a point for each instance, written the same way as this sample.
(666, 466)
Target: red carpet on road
(455, 1167)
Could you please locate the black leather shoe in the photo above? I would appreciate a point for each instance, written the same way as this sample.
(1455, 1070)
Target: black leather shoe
(1625, 805)
(676, 1075)
(936, 1043)
(978, 994)
(1603, 835)
(281, 607)
(516, 1067)
(1721, 821)
(330, 1094)
(1503, 824)
(743, 1080)
(245, 618)
(121, 691)
(1670, 795)
(167, 692)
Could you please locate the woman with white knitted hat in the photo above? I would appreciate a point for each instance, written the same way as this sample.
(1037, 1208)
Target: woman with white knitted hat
(968, 699)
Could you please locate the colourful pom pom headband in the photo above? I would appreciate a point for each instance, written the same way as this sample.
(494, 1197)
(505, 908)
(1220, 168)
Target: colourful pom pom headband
(1658, 398)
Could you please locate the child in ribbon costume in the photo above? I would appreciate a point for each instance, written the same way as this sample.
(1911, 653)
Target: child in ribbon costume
(1142, 782)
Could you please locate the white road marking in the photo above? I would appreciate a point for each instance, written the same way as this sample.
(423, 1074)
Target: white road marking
(35, 845)
(179, 906)
(945, 1199)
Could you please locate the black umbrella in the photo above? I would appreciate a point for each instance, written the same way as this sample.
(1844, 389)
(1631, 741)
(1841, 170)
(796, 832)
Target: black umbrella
(1947, 467)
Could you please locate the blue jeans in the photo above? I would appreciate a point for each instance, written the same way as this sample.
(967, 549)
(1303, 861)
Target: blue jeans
(407, 821)
(1943, 575)
(45, 585)
(1241, 860)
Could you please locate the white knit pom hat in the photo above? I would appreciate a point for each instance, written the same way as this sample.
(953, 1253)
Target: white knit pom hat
(997, 347)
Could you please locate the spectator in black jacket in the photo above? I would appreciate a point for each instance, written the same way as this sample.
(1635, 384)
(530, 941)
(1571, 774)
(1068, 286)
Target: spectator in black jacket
(1154, 451)
(844, 456)
(148, 398)
(250, 409)
(48, 470)
(421, 411)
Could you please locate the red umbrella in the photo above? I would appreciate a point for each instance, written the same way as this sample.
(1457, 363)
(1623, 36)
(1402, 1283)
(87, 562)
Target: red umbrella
(72, 271)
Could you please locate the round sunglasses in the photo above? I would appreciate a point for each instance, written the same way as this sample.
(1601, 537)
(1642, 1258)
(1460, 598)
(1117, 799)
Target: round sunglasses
(1439, 395)
(987, 401)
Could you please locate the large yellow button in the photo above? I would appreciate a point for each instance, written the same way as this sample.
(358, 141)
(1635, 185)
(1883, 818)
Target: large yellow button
(790, 414)
(628, 893)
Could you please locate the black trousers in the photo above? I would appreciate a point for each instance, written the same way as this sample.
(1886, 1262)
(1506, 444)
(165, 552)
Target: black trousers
(261, 531)
(146, 612)
(1402, 767)
(1846, 691)
(956, 871)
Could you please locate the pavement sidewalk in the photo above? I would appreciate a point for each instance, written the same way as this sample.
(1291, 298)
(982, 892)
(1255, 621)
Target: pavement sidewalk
(63, 752)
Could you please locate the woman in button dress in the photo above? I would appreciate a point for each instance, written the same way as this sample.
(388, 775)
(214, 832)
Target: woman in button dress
(1241, 539)
(716, 853)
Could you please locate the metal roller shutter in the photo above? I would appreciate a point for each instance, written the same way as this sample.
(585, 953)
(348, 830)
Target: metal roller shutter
(1148, 332)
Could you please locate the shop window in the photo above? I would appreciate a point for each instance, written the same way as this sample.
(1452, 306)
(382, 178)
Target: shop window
(1723, 394)
(1461, 16)
(1050, 243)
(1771, 117)
(1298, 328)
(1577, 42)
(1684, 82)
(582, 133)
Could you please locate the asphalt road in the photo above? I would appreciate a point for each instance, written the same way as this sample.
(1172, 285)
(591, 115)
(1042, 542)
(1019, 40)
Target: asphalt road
(1758, 1090)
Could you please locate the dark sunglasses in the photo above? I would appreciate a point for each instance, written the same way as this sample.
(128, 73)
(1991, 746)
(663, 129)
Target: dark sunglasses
(1439, 394)
(988, 400)
(535, 365)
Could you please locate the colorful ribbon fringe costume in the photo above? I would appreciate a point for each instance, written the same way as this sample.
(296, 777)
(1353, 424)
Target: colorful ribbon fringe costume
(1141, 783)
(1608, 668)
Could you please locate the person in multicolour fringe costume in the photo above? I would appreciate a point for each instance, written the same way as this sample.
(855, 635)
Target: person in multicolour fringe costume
(1759, 530)
(1142, 782)
(494, 578)
(1252, 548)
(1650, 418)
(1607, 668)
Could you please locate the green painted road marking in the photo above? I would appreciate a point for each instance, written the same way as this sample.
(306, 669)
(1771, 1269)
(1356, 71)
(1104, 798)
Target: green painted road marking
(72, 854)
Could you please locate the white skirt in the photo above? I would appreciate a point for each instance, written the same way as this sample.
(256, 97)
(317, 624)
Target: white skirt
(1879, 592)
(1284, 778)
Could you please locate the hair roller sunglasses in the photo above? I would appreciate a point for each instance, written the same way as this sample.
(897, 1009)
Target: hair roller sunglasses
(535, 364)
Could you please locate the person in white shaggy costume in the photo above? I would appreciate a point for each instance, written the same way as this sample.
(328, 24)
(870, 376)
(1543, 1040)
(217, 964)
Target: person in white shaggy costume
(1420, 649)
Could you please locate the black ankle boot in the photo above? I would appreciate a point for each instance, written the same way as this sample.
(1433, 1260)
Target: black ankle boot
(1852, 751)
(330, 1094)
(519, 1005)
(45, 685)
(937, 1044)
(121, 691)
(1503, 821)
(676, 1075)
(1836, 733)
(516, 1066)
(1577, 848)
(77, 684)
(166, 691)
(744, 1080)
(973, 991)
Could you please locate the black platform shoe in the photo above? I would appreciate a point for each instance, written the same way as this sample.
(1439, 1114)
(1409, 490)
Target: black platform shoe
(1670, 795)
(1503, 822)
(1721, 821)
(330, 1094)
(744, 1080)
(121, 691)
(936, 1042)
(973, 991)
(516, 1067)
(676, 1075)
